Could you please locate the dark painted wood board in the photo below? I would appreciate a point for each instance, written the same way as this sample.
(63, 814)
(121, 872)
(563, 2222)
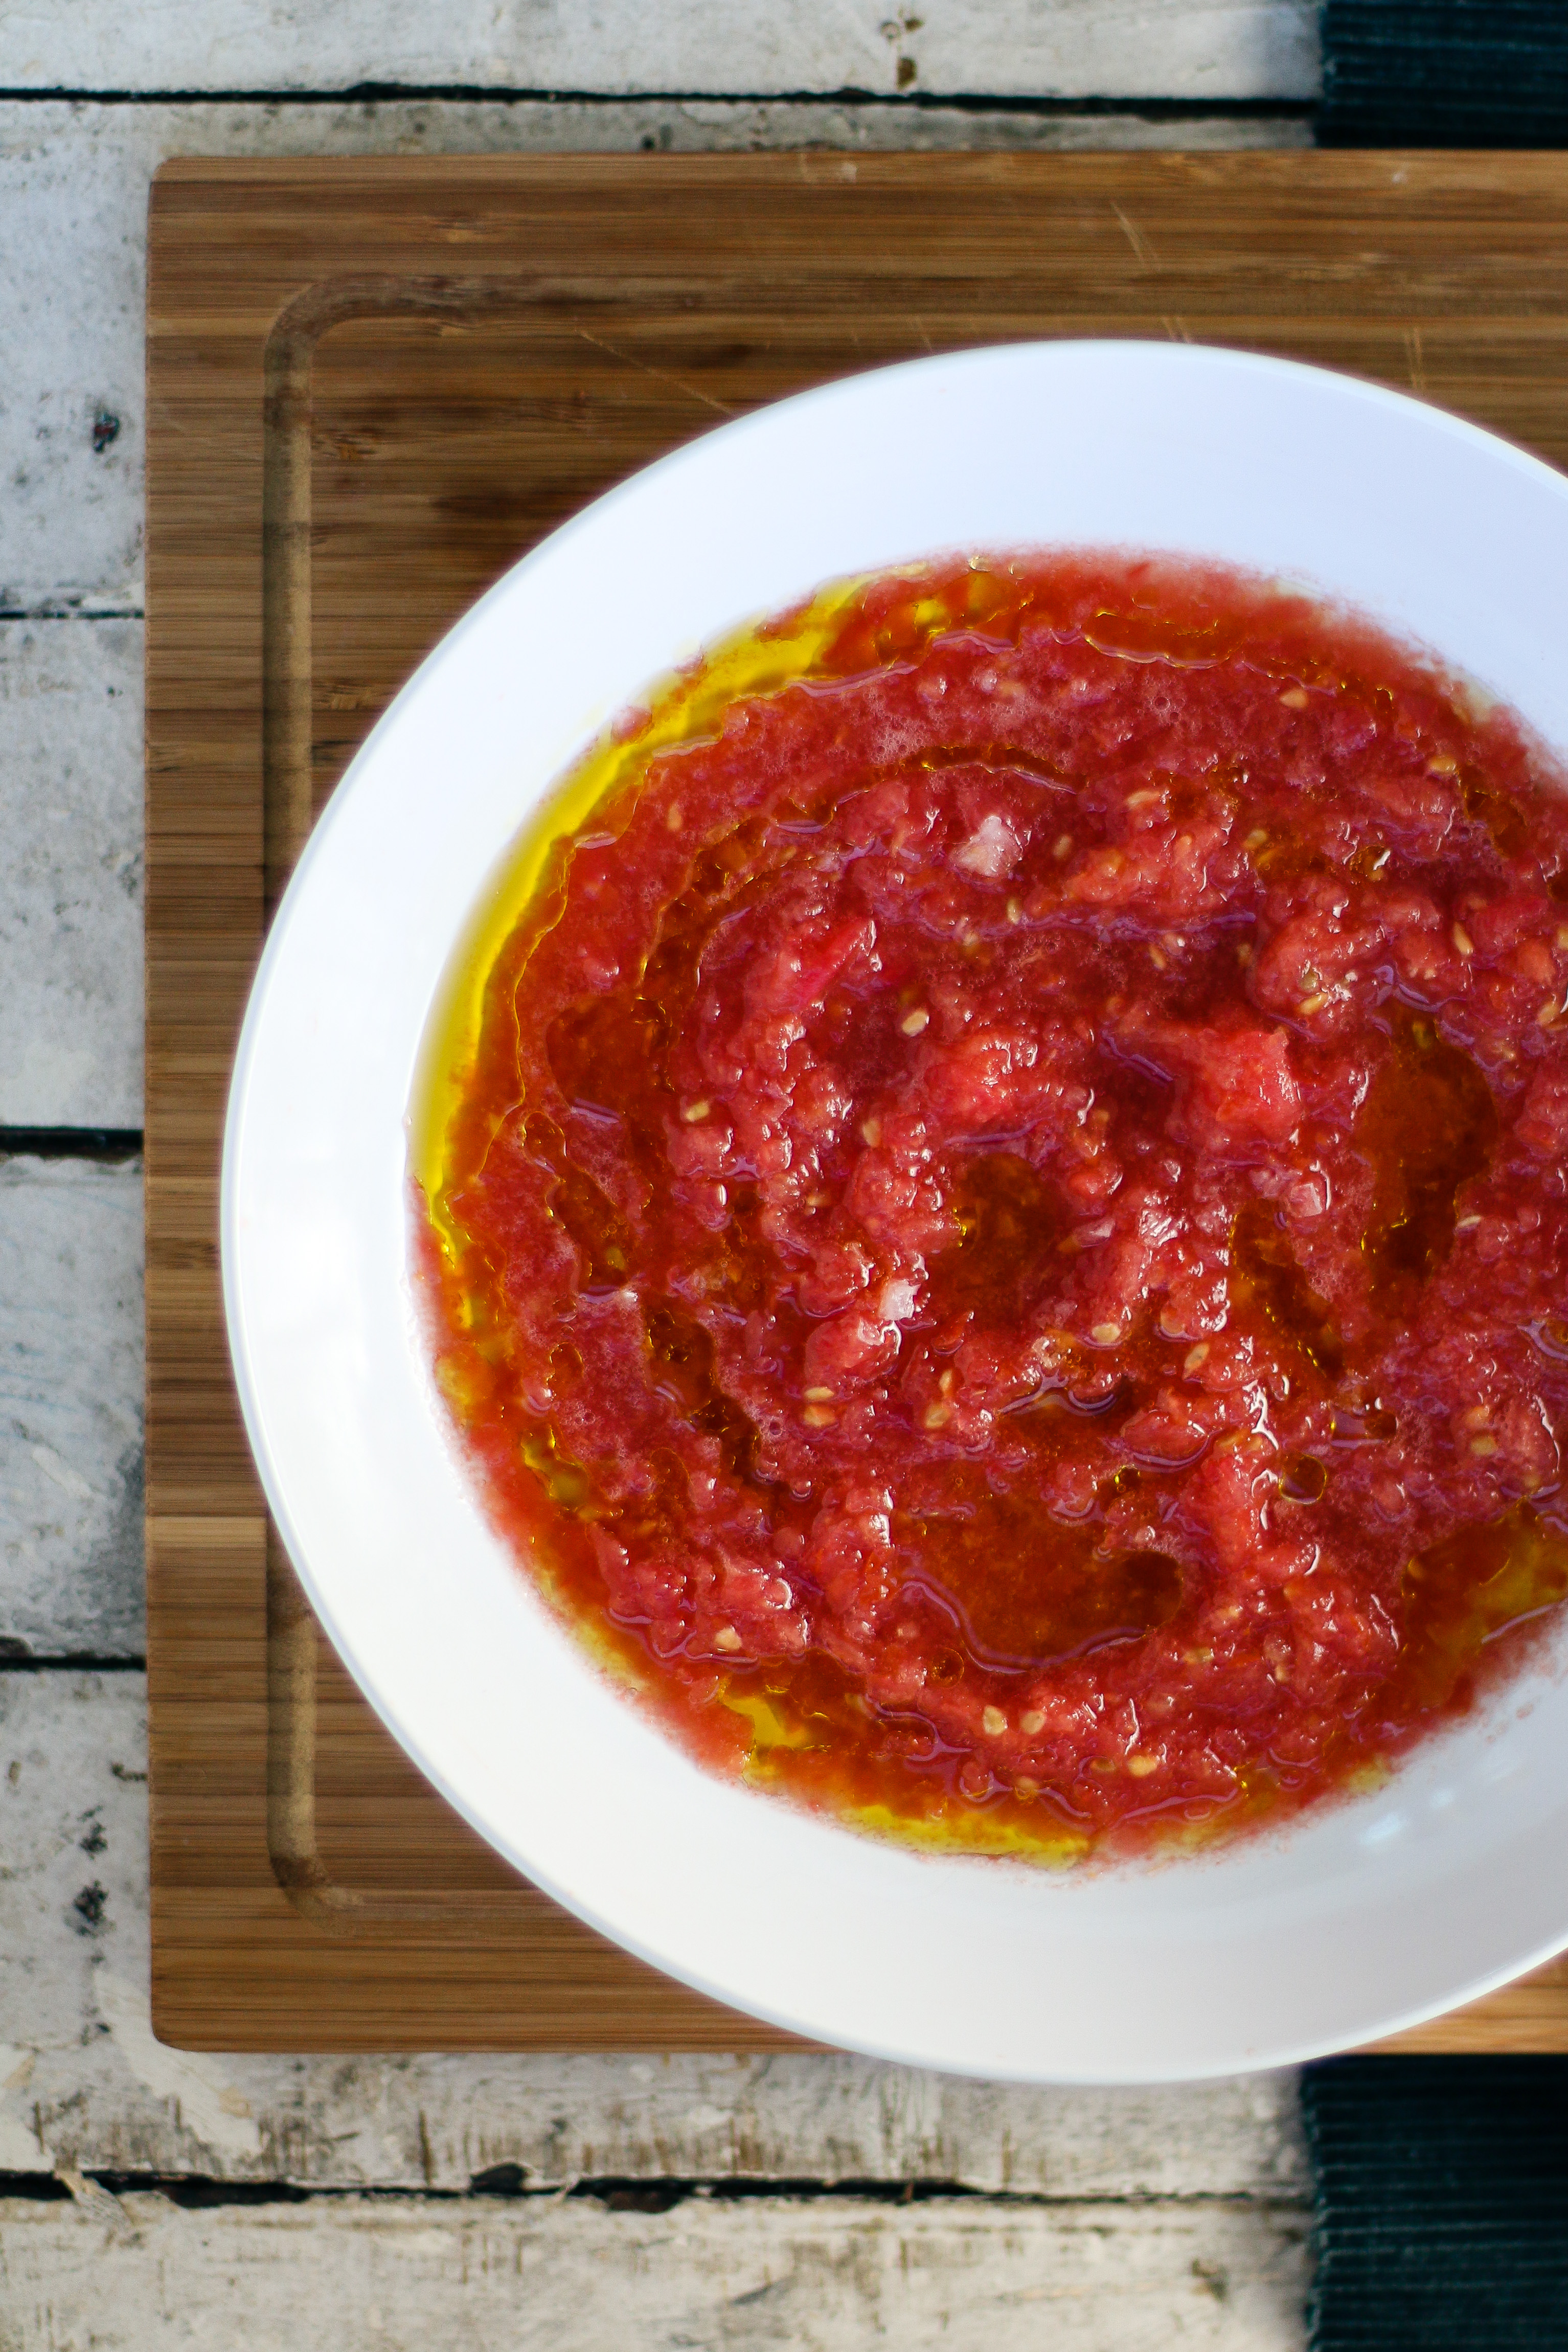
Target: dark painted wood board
(371, 386)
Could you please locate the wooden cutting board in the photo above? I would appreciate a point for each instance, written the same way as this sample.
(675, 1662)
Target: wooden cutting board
(371, 386)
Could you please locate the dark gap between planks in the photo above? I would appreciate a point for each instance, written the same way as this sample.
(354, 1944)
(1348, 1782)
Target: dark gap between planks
(70, 608)
(102, 1143)
(919, 101)
(17, 1658)
(615, 2194)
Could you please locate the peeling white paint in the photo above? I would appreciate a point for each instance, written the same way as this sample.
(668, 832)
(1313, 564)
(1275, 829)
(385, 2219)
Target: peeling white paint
(538, 2273)
(704, 2118)
(16, 2066)
(60, 1474)
(211, 2108)
(70, 807)
(21, 2149)
(70, 1384)
(97, 2203)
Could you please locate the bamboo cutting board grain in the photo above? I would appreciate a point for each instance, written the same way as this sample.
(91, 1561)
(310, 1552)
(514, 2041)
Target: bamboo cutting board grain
(372, 386)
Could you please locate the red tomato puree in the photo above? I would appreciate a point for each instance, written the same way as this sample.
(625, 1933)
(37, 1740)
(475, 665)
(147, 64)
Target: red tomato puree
(998, 1239)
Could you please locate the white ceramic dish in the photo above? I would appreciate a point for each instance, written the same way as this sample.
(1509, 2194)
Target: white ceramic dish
(1370, 1916)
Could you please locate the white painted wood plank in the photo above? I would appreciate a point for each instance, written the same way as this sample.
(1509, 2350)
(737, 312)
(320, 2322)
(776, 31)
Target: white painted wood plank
(84, 2087)
(73, 195)
(70, 1405)
(70, 877)
(1054, 48)
(814, 2276)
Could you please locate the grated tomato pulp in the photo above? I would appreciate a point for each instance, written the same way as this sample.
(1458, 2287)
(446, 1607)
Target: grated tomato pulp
(997, 1223)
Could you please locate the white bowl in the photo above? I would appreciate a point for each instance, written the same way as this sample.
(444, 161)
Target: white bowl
(1369, 1916)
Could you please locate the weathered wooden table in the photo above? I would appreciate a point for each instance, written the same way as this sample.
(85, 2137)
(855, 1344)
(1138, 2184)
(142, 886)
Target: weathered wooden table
(154, 2197)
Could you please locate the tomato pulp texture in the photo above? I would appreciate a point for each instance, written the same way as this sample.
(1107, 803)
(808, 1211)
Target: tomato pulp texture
(999, 1240)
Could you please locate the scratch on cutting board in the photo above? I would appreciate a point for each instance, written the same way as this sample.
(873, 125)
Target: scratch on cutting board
(211, 2109)
(1415, 359)
(1136, 239)
(660, 375)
